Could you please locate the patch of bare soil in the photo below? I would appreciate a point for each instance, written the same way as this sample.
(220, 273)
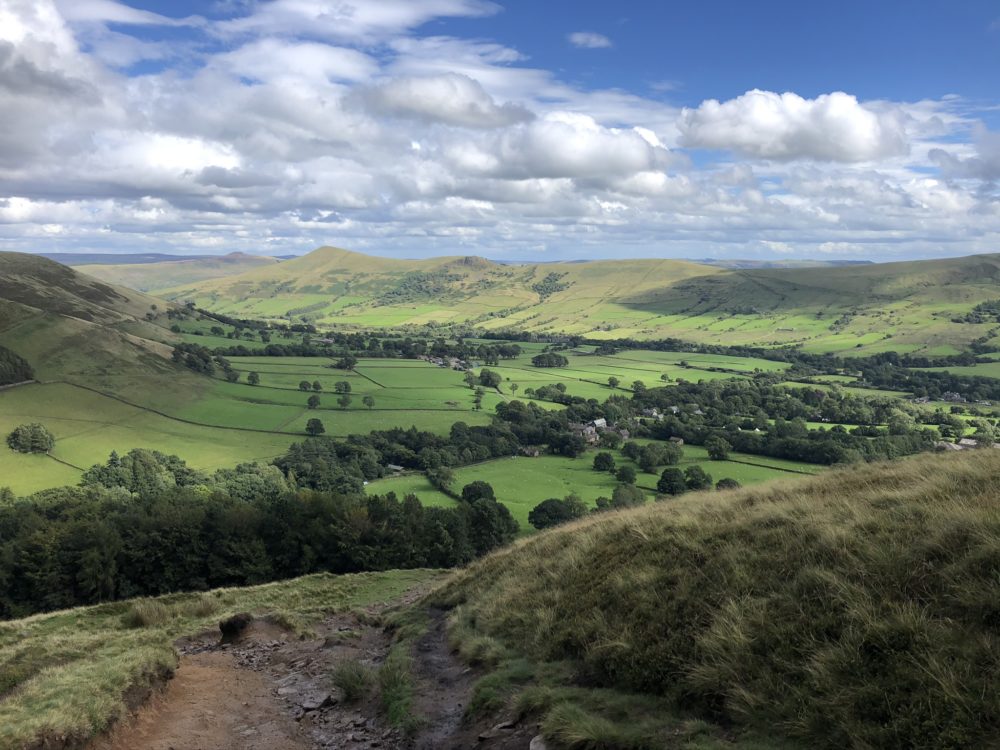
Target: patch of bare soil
(211, 704)
(267, 690)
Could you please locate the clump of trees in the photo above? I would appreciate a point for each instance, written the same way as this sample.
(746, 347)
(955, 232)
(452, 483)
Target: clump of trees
(31, 438)
(549, 359)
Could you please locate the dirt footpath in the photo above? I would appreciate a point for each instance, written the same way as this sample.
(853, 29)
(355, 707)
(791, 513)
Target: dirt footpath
(211, 704)
(268, 690)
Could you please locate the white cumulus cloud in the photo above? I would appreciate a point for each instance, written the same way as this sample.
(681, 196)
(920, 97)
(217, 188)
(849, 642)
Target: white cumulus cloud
(449, 98)
(831, 127)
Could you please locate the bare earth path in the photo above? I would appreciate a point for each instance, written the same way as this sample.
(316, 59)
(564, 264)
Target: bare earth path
(272, 691)
(211, 704)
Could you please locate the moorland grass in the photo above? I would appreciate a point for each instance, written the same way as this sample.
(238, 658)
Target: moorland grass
(858, 609)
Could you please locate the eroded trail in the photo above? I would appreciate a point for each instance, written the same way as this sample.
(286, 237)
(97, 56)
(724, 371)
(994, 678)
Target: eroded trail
(211, 704)
(269, 690)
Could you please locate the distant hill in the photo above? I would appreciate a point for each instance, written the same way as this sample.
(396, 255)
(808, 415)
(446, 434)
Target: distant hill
(118, 259)
(856, 307)
(70, 326)
(152, 272)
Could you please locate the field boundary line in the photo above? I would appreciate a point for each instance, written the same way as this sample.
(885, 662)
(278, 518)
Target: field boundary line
(373, 380)
(65, 463)
(775, 468)
(168, 416)
(16, 385)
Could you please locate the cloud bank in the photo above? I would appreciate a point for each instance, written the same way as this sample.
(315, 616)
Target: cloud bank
(293, 123)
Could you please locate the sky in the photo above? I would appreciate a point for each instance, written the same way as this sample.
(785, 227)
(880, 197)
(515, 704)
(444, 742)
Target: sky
(515, 130)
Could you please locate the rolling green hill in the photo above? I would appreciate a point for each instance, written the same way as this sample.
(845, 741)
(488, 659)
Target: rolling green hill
(151, 277)
(865, 308)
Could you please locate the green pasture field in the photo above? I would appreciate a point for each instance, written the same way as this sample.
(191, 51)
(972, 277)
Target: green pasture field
(88, 426)
(521, 482)
(983, 370)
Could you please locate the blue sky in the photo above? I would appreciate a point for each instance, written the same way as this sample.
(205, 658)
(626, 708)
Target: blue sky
(511, 129)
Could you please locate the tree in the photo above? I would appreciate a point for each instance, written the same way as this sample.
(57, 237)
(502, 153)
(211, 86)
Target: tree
(489, 379)
(347, 362)
(513, 387)
(554, 511)
(613, 382)
(31, 438)
(672, 482)
(478, 490)
(368, 401)
(313, 402)
(303, 385)
(344, 401)
(315, 427)
(232, 375)
(604, 462)
(727, 484)
(317, 386)
(638, 387)
(631, 450)
(625, 474)
(490, 525)
(697, 478)
(253, 378)
(470, 378)
(341, 386)
(627, 496)
(718, 448)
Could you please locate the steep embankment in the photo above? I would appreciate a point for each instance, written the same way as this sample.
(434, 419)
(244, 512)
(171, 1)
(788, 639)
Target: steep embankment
(856, 308)
(858, 609)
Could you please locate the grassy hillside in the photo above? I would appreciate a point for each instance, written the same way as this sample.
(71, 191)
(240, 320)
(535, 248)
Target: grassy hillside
(866, 308)
(856, 609)
(151, 277)
(74, 329)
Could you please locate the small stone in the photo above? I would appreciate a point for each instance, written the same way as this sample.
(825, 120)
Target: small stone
(538, 743)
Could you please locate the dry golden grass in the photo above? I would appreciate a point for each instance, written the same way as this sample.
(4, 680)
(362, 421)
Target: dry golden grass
(857, 609)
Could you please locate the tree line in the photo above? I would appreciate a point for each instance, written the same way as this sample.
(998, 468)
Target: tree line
(146, 524)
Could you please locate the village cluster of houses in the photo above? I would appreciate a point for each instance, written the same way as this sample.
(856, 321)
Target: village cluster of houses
(453, 362)
(591, 431)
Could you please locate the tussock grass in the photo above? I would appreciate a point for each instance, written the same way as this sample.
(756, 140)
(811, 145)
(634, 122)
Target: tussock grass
(395, 682)
(354, 680)
(147, 613)
(68, 674)
(857, 609)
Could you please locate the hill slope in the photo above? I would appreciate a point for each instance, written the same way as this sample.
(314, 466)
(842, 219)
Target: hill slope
(69, 325)
(164, 274)
(863, 308)
(858, 609)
